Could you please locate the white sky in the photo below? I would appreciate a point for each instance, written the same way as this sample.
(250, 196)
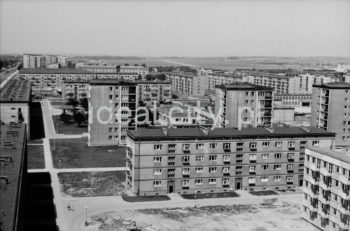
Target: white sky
(176, 28)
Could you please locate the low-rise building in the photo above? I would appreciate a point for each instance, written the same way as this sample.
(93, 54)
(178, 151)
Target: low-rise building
(15, 99)
(13, 178)
(326, 200)
(186, 160)
(140, 70)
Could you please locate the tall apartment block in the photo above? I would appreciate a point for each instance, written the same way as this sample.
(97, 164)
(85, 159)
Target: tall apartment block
(150, 91)
(181, 83)
(15, 99)
(43, 61)
(331, 110)
(106, 125)
(326, 202)
(13, 178)
(243, 104)
(185, 160)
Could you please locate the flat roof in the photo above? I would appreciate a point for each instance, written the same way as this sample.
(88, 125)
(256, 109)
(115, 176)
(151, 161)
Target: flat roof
(153, 82)
(339, 155)
(111, 82)
(54, 71)
(12, 146)
(243, 86)
(16, 90)
(227, 133)
(335, 85)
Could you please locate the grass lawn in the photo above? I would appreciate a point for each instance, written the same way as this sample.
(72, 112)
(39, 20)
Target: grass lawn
(263, 193)
(209, 195)
(145, 198)
(68, 128)
(36, 157)
(75, 153)
(90, 184)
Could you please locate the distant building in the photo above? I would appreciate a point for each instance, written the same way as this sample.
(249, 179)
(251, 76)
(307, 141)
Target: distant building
(331, 110)
(242, 104)
(154, 91)
(15, 99)
(13, 178)
(326, 201)
(75, 90)
(186, 160)
(106, 127)
(181, 82)
(97, 68)
(35, 61)
(140, 70)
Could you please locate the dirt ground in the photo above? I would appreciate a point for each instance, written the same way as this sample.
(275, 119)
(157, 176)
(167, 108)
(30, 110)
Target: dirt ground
(257, 217)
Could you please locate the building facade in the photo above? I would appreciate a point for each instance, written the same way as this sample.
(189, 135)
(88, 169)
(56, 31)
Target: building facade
(75, 90)
(185, 160)
(326, 201)
(331, 109)
(15, 99)
(35, 61)
(158, 91)
(243, 104)
(140, 70)
(181, 83)
(107, 124)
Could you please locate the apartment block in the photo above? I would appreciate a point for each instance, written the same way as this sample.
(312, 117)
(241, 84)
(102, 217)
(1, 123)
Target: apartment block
(158, 91)
(13, 178)
(243, 104)
(140, 70)
(15, 99)
(108, 123)
(75, 90)
(326, 201)
(181, 82)
(331, 110)
(47, 81)
(43, 61)
(97, 68)
(222, 79)
(185, 160)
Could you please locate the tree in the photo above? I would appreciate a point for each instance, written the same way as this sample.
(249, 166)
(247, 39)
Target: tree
(143, 65)
(126, 64)
(20, 66)
(79, 117)
(72, 102)
(136, 65)
(84, 103)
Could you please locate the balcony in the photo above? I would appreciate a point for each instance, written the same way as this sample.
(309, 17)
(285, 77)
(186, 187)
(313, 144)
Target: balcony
(326, 172)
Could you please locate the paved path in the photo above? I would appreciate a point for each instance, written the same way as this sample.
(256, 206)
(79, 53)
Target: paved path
(5, 77)
(106, 169)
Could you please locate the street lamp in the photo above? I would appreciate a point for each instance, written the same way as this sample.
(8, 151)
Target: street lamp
(195, 198)
(86, 216)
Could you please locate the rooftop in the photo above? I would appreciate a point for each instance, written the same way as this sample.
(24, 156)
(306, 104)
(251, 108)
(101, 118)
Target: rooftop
(227, 133)
(335, 85)
(339, 155)
(16, 90)
(54, 71)
(153, 82)
(12, 153)
(111, 82)
(243, 86)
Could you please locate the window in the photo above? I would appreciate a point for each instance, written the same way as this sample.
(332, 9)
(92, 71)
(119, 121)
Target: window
(225, 169)
(265, 156)
(316, 143)
(171, 146)
(290, 155)
(213, 145)
(265, 167)
(289, 178)
(278, 144)
(186, 171)
(252, 168)
(157, 147)
(199, 146)
(303, 142)
(264, 179)
(110, 137)
(157, 183)
(157, 159)
(171, 158)
(200, 158)
(158, 171)
(212, 181)
(199, 170)
(277, 167)
(213, 157)
(186, 159)
(278, 155)
(186, 147)
(290, 167)
(212, 169)
(227, 146)
(225, 181)
(291, 144)
(252, 145)
(198, 181)
(226, 158)
(265, 144)
(277, 178)
(251, 180)
(185, 183)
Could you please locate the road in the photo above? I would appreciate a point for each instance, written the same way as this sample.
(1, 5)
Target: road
(5, 77)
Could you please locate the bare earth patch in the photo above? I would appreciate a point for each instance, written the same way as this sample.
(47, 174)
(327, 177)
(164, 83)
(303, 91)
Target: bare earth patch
(90, 184)
(283, 216)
